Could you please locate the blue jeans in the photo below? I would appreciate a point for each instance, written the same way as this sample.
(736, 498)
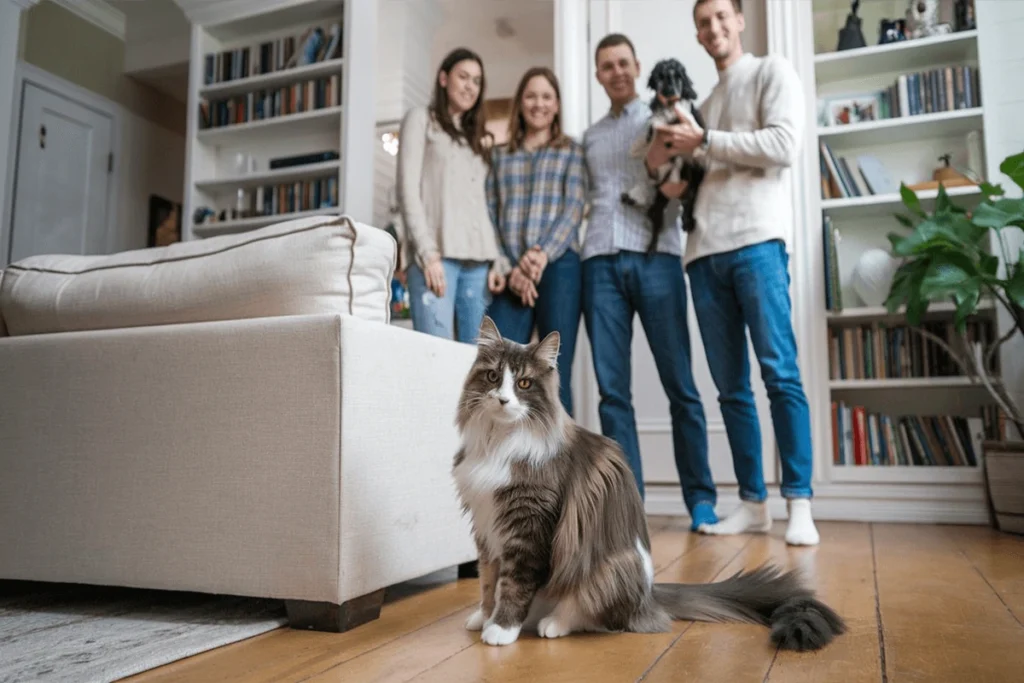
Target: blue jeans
(458, 314)
(614, 289)
(557, 309)
(749, 289)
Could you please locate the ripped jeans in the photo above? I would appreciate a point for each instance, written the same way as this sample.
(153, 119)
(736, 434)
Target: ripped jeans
(461, 310)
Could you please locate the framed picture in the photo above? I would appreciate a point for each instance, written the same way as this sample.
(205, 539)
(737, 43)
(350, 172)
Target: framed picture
(842, 111)
(164, 221)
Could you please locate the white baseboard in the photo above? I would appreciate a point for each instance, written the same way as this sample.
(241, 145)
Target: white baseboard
(846, 503)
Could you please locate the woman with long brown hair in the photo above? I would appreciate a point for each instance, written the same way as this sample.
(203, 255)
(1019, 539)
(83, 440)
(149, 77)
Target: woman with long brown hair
(451, 248)
(536, 192)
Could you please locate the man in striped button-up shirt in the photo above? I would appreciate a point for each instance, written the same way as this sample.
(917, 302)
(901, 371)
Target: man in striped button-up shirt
(621, 281)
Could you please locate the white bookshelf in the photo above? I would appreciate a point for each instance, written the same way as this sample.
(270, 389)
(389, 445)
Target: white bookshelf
(262, 107)
(908, 145)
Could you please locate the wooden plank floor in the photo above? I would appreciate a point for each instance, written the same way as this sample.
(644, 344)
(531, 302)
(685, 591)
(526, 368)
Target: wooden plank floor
(923, 603)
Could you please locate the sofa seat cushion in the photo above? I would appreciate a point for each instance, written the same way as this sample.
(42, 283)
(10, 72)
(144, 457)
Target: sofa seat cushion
(321, 264)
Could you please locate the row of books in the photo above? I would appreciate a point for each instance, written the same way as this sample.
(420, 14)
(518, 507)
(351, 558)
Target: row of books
(318, 93)
(876, 350)
(864, 438)
(946, 88)
(861, 176)
(833, 290)
(302, 195)
(314, 45)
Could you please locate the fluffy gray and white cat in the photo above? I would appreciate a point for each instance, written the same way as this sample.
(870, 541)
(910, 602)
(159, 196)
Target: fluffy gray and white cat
(560, 527)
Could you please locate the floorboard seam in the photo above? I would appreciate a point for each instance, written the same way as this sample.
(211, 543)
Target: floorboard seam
(671, 645)
(878, 608)
(984, 578)
(769, 671)
(374, 649)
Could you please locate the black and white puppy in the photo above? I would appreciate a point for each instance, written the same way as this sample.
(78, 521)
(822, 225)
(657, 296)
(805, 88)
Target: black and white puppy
(671, 85)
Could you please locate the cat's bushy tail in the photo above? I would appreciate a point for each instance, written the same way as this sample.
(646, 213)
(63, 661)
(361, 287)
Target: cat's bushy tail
(766, 596)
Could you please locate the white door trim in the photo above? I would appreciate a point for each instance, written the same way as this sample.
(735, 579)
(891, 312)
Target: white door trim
(27, 73)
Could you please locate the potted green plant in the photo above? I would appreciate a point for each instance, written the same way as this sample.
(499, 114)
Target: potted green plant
(946, 256)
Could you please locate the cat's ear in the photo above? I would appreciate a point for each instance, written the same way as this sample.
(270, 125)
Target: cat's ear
(547, 349)
(489, 335)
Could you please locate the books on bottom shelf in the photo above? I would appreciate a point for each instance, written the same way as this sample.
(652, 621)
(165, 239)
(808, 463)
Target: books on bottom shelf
(878, 350)
(864, 438)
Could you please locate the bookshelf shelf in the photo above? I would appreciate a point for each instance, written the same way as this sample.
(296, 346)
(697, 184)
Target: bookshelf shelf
(880, 313)
(904, 383)
(885, 205)
(903, 129)
(907, 55)
(244, 224)
(271, 80)
(271, 177)
(304, 123)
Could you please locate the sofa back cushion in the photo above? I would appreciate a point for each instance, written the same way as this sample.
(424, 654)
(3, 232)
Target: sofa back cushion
(321, 264)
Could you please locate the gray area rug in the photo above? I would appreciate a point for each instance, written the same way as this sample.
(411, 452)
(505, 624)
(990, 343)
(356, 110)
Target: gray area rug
(58, 632)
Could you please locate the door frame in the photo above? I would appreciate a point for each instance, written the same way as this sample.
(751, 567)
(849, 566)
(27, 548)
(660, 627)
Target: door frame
(27, 73)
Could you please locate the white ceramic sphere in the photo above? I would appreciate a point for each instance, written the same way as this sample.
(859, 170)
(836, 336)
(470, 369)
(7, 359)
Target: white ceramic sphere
(872, 276)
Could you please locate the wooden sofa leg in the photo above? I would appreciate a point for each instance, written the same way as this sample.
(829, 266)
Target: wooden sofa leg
(326, 616)
(469, 570)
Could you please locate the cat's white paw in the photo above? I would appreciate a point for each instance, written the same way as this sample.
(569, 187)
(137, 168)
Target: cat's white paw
(475, 621)
(551, 627)
(496, 635)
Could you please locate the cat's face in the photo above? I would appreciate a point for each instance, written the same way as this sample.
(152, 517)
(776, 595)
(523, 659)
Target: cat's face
(511, 382)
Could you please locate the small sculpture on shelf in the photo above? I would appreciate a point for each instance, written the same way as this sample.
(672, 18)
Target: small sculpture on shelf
(892, 31)
(850, 35)
(923, 19)
(945, 175)
(963, 15)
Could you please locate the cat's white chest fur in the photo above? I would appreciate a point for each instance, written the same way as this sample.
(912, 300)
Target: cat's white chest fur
(485, 469)
(477, 480)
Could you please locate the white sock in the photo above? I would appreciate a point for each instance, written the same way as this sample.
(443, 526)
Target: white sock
(801, 529)
(748, 517)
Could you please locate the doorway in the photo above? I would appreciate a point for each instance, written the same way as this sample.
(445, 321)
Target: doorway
(63, 173)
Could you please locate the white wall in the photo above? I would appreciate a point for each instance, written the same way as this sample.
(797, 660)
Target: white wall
(153, 163)
(660, 29)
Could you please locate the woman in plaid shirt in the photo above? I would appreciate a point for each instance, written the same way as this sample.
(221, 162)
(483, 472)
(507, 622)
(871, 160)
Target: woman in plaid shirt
(536, 191)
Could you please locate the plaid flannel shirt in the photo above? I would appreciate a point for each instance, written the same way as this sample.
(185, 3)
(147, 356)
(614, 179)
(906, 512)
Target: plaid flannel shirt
(537, 198)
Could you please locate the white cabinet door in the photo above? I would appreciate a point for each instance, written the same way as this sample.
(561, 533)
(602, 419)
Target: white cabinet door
(62, 181)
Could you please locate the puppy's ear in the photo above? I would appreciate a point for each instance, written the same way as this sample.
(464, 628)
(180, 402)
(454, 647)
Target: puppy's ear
(688, 92)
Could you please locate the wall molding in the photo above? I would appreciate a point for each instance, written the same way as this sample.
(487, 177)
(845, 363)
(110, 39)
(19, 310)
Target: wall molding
(870, 503)
(97, 13)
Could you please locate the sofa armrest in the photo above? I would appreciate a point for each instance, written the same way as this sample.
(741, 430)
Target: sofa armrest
(400, 516)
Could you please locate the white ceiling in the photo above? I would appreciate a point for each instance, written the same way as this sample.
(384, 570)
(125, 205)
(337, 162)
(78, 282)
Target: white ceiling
(532, 21)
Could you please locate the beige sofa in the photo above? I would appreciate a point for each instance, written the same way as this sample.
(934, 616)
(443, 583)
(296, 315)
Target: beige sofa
(233, 415)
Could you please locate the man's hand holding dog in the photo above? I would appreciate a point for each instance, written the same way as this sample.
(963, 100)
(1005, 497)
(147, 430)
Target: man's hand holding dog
(679, 138)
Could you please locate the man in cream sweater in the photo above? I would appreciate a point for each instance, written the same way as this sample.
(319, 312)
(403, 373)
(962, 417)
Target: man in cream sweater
(737, 261)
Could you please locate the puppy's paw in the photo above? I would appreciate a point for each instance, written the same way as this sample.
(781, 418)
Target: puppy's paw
(497, 635)
(551, 627)
(475, 621)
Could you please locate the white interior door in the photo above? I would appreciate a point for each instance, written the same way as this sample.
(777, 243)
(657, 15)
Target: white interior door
(63, 175)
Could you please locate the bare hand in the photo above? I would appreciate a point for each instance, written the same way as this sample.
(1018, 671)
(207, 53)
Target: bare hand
(520, 283)
(495, 282)
(434, 275)
(533, 263)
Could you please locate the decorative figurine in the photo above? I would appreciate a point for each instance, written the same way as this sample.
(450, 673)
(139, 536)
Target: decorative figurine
(850, 36)
(923, 19)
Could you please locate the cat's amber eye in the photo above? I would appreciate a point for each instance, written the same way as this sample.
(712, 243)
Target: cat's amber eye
(492, 376)
(525, 383)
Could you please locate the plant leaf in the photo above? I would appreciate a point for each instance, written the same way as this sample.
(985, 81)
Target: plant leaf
(904, 220)
(999, 214)
(911, 201)
(942, 202)
(990, 190)
(1015, 285)
(1013, 166)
